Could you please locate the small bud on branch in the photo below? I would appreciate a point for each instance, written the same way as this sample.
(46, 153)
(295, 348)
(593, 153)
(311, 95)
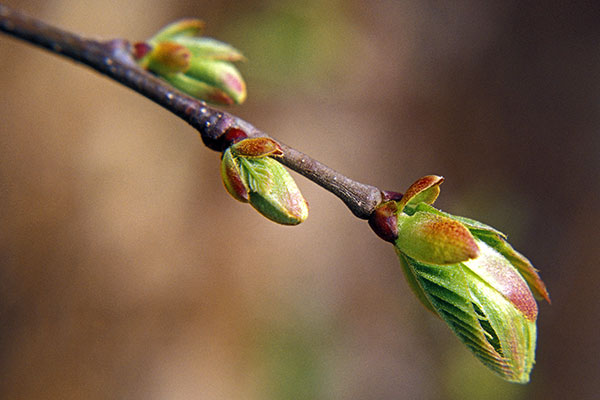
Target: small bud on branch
(250, 175)
(199, 66)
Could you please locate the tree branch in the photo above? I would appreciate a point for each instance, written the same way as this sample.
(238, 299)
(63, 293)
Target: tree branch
(114, 59)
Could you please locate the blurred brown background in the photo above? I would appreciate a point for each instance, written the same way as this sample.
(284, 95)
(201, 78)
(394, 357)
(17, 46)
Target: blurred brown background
(126, 271)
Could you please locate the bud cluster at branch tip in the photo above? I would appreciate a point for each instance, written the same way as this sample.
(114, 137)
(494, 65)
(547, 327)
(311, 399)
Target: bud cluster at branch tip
(251, 175)
(466, 273)
(199, 66)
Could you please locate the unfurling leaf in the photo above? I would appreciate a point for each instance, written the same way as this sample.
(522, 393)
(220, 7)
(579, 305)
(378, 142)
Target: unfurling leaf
(250, 174)
(468, 274)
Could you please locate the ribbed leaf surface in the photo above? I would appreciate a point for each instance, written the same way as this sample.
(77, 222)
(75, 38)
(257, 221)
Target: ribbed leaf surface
(484, 320)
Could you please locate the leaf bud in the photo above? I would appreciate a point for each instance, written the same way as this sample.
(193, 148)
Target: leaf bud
(250, 174)
(199, 66)
(467, 273)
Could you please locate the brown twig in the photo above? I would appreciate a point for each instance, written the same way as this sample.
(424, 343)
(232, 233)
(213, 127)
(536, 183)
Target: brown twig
(114, 59)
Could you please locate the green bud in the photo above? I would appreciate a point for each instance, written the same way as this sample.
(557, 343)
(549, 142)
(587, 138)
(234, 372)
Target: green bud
(209, 48)
(188, 27)
(435, 239)
(496, 331)
(497, 240)
(466, 273)
(201, 67)
(167, 58)
(250, 174)
(221, 75)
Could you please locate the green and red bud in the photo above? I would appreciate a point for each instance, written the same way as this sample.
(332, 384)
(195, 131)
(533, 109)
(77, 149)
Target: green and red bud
(199, 66)
(424, 190)
(250, 174)
(497, 271)
(257, 148)
(435, 239)
(167, 58)
(211, 49)
(232, 177)
(466, 273)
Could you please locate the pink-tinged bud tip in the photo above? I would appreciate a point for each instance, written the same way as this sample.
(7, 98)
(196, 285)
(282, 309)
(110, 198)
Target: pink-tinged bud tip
(498, 272)
(232, 178)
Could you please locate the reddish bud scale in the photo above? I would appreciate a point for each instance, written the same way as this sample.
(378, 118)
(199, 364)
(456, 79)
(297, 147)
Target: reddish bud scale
(425, 189)
(234, 135)
(423, 183)
(214, 127)
(388, 195)
(257, 147)
(384, 221)
(140, 49)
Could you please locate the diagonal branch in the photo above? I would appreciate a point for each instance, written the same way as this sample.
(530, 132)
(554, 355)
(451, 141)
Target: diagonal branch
(114, 59)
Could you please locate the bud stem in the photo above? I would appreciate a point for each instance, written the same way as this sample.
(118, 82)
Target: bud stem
(115, 59)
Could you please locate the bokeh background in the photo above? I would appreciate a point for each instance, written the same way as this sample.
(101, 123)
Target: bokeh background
(126, 271)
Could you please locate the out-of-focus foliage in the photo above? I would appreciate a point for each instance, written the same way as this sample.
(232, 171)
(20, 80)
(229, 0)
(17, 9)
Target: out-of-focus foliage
(308, 47)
